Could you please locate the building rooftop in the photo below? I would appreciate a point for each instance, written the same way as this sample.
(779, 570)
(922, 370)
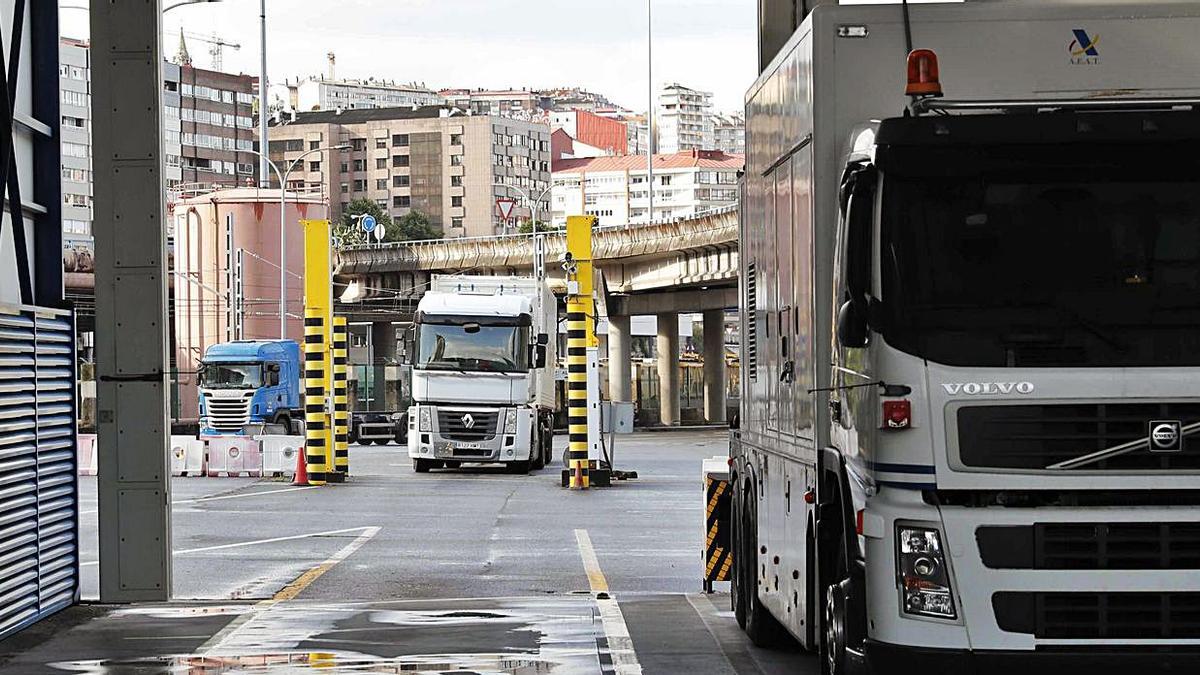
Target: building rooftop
(705, 159)
(360, 115)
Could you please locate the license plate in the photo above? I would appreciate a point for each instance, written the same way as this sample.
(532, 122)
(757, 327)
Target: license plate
(465, 446)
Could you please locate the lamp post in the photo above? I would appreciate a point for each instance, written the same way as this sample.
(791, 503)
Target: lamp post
(283, 176)
(166, 9)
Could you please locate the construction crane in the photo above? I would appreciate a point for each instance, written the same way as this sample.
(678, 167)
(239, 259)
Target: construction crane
(216, 49)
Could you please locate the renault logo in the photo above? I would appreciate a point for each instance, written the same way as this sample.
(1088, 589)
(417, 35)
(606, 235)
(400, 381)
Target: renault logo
(1166, 436)
(468, 421)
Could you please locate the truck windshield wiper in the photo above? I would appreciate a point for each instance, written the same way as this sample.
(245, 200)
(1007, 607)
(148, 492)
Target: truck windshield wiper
(1115, 451)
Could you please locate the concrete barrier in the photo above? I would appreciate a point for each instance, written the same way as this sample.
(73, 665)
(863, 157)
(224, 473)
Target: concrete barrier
(86, 455)
(279, 454)
(234, 456)
(187, 456)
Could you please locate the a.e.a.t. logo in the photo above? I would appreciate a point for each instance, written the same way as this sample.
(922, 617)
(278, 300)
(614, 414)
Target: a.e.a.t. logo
(1084, 48)
(1166, 436)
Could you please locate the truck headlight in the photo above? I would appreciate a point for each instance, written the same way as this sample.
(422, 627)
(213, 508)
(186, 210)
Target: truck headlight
(510, 421)
(425, 419)
(924, 579)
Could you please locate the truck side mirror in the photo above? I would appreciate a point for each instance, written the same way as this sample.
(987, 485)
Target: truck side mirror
(852, 331)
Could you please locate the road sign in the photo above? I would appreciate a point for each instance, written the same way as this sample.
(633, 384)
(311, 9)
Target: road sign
(506, 206)
(378, 230)
(367, 222)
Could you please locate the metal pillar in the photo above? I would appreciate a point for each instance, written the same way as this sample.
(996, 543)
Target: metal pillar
(315, 429)
(714, 366)
(341, 397)
(667, 344)
(131, 301)
(620, 359)
(580, 337)
(318, 323)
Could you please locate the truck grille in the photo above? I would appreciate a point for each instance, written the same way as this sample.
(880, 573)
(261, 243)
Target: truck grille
(1096, 616)
(1092, 546)
(1036, 436)
(452, 424)
(228, 414)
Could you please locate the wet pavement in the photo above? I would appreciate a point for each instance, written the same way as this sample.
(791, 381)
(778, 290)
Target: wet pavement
(449, 572)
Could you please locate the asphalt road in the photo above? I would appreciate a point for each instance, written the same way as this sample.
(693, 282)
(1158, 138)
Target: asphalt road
(492, 559)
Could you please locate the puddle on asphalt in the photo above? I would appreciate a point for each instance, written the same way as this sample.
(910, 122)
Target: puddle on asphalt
(328, 662)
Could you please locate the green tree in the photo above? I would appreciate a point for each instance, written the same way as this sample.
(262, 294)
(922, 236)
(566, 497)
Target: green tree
(348, 232)
(527, 227)
(415, 225)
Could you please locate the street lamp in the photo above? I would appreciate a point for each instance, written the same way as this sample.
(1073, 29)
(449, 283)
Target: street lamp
(166, 9)
(283, 176)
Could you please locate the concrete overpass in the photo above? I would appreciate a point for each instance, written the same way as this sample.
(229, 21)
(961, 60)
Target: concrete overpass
(661, 269)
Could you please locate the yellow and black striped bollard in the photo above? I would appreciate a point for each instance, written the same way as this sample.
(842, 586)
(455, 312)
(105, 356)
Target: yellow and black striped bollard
(577, 422)
(341, 397)
(314, 396)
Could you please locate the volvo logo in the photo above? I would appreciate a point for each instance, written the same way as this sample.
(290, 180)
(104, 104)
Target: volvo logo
(468, 421)
(988, 388)
(1166, 436)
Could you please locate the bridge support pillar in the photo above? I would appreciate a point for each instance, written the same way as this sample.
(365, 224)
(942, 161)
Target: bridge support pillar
(714, 366)
(383, 353)
(667, 345)
(620, 357)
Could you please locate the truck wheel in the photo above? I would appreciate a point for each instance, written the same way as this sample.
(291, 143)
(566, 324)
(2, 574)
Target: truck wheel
(737, 592)
(537, 456)
(762, 628)
(284, 420)
(422, 465)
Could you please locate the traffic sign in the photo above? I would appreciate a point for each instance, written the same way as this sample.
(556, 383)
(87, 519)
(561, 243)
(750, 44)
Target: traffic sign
(506, 206)
(379, 232)
(367, 222)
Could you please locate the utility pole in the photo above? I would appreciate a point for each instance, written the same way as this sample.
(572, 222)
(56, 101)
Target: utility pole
(650, 108)
(264, 178)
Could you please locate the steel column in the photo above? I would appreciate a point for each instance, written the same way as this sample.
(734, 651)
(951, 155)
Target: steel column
(315, 425)
(131, 302)
(580, 337)
(341, 397)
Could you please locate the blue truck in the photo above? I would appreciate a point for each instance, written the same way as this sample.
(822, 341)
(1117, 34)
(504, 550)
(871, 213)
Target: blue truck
(250, 382)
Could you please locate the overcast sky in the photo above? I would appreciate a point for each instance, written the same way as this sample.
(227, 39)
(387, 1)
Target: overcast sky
(598, 45)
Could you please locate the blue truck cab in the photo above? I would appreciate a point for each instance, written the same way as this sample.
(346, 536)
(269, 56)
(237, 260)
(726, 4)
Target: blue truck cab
(249, 382)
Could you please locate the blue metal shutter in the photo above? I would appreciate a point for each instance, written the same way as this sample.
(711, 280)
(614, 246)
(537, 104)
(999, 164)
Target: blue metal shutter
(39, 528)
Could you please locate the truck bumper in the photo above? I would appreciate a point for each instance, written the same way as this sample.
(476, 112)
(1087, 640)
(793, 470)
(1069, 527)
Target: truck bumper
(883, 658)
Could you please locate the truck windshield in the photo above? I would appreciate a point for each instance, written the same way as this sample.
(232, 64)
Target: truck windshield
(231, 376)
(472, 347)
(1040, 256)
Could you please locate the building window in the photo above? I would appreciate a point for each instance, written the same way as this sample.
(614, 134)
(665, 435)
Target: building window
(345, 167)
(314, 145)
(345, 188)
(400, 181)
(456, 202)
(381, 162)
(399, 160)
(245, 168)
(360, 165)
(456, 181)
(399, 140)
(358, 144)
(380, 143)
(455, 139)
(456, 160)
(345, 206)
(360, 185)
(74, 149)
(294, 145)
(380, 183)
(381, 203)
(456, 222)
(401, 201)
(666, 180)
(314, 166)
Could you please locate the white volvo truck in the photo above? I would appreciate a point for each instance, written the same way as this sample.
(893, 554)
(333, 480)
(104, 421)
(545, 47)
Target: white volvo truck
(971, 340)
(483, 358)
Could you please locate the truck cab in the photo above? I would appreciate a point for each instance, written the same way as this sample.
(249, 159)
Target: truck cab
(482, 374)
(249, 382)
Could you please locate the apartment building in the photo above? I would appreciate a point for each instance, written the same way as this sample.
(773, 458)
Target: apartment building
(440, 160)
(592, 134)
(729, 133)
(74, 83)
(321, 93)
(684, 119)
(209, 122)
(519, 104)
(616, 189)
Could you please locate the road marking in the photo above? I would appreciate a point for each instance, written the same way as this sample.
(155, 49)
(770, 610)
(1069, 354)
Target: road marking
(620, 645)
(241, 495)
(289, 592)
(257, 542)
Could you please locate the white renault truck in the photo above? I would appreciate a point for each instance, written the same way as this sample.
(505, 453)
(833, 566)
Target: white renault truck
(971, 340)
(483, 358)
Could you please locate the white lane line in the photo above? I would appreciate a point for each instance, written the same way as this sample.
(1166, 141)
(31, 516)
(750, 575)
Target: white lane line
(255, 542)
(620, 645)
(241, 495)
(226, 637)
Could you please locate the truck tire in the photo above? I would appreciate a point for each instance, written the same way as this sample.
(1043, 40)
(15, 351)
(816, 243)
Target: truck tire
(537, 454)
(422, 465)
(285, 420)
(762, 628)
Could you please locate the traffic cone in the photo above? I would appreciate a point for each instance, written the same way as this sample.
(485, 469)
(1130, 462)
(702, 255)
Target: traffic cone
(301, 477)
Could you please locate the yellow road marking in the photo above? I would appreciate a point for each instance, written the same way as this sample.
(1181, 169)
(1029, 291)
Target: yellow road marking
(591, 564)
(620, 644)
